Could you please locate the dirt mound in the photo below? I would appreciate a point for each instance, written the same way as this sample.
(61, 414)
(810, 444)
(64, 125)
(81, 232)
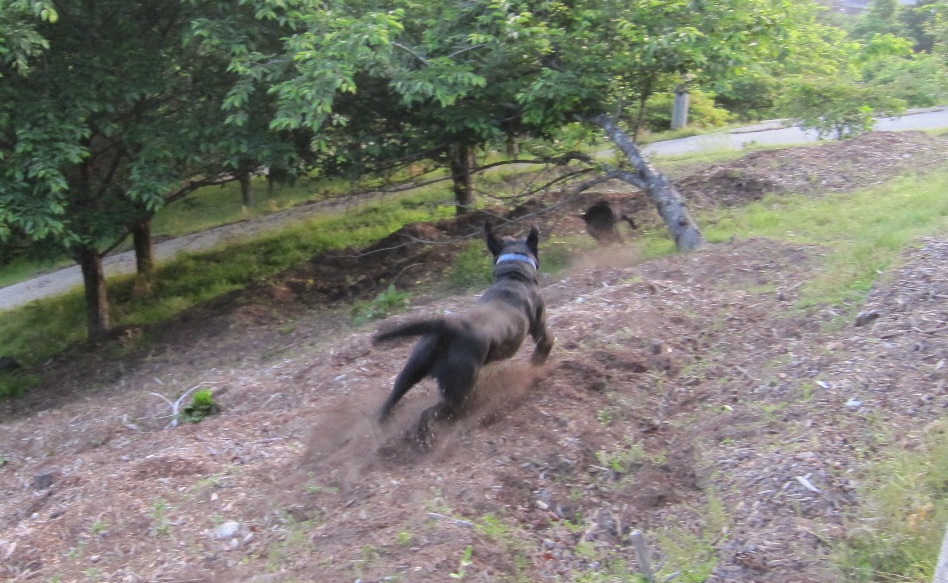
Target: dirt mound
(686, 397)
(836, 166)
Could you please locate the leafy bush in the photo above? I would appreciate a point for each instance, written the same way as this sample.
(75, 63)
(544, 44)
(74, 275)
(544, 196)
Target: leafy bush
(837, 108)
(919, 80)
(702, 112)
(201, 407)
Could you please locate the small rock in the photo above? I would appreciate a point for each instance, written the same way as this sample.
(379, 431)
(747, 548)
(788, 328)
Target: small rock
(866, 317)
(42, 481)
(227, 529)
(854, 403)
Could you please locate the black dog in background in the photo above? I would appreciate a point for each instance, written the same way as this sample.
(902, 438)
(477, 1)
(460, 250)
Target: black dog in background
(454, 348)
(601, 219)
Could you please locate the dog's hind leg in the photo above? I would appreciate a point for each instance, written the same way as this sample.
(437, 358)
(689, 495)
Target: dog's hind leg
(455, 375)
(419, 365)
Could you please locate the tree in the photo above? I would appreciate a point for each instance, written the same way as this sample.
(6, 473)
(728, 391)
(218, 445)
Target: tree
(839, 108)
(807, 48)
(881, 18)
(466, 73)
(121, 114)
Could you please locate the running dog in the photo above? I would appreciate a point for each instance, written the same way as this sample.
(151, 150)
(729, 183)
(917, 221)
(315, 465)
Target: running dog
(454, 348)
(601, 220)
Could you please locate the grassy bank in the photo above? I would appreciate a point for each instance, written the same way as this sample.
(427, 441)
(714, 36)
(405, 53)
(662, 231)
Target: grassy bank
(864, 231)
(42, 329)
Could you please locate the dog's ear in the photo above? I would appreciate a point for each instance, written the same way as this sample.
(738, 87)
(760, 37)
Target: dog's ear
(495, 245)
(533, 241)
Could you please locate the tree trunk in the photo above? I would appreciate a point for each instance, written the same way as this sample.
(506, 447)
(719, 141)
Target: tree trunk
(656, 185)
(144, 251)
(463, 163)
(640, 118)
(246, 192)
(680, 109)
(513, 146)
(97, 299)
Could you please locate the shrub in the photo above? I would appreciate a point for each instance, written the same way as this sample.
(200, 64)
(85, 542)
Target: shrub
(201, 407)
(702, 112)
(838, 108)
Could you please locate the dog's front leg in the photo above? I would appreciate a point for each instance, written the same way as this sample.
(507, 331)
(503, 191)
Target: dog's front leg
(541, 336)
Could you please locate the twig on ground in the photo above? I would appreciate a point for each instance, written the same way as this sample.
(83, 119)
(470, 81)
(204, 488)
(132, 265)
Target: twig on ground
(457, 521)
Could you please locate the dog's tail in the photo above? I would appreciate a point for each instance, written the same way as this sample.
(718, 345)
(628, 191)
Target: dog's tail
(436, 326)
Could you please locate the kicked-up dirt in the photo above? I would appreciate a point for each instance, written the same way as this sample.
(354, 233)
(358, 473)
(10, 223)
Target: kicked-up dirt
(687, 398)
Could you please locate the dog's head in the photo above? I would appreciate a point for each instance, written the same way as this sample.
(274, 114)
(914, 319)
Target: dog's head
(512, 249)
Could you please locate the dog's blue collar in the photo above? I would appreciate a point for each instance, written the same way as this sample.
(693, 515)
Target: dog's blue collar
(517, 257)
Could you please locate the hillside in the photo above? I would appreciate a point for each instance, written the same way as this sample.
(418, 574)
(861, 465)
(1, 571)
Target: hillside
(687, 397)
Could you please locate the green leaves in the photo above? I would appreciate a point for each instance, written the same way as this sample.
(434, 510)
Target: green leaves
(19, 39)
(837, 107)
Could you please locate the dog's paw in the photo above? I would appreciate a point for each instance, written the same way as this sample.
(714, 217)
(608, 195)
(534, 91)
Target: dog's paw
(539, 358)
(424, 438)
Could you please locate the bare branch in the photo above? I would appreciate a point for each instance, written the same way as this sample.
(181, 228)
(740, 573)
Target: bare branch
(411, 52)
(465, 49)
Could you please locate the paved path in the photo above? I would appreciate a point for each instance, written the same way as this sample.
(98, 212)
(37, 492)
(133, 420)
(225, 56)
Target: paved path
(767, 133)
(773, 133)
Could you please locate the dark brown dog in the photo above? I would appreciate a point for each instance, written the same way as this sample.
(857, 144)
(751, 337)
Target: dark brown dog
(454, 348)
(601, 220)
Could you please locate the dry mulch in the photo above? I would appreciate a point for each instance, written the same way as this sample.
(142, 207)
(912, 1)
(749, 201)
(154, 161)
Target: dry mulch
(833, 167)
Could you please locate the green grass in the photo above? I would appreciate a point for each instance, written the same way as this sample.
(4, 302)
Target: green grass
(864, 231)
(42, 329)
(213, 206)
(897, 531)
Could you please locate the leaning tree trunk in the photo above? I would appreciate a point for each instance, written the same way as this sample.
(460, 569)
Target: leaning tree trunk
(97, 299)
(656, 185)
(463, 164)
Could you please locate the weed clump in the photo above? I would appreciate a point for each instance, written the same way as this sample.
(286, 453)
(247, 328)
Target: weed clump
(202, 406)
(384, 305)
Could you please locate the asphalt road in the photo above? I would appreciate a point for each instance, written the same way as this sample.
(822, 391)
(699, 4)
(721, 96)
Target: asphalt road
(774, 133)
(767, 133)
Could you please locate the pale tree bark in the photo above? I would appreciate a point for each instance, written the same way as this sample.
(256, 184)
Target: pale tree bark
(97, 299)
(668, 201)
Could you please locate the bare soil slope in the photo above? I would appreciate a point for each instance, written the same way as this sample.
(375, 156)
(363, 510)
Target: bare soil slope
(685, 396)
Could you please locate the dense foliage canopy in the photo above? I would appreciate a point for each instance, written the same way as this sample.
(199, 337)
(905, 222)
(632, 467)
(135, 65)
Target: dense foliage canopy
(111, 109)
